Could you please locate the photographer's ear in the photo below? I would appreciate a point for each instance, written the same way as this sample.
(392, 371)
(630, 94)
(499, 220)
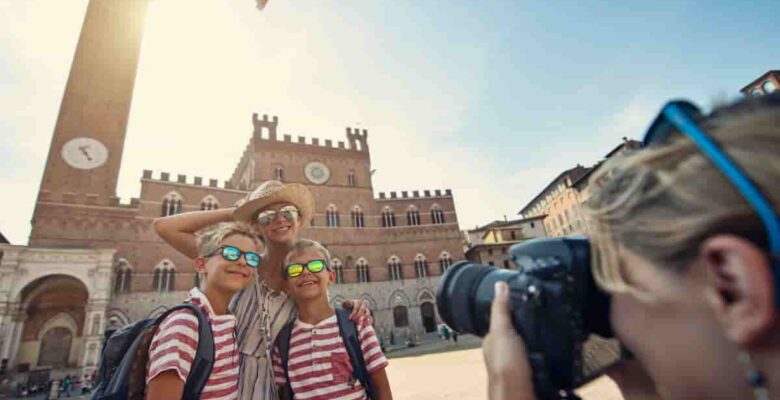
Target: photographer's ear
(740, 287)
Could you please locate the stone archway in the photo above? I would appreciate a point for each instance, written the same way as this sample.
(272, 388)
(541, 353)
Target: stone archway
(53, 313)
(428, 314)
(55, 348)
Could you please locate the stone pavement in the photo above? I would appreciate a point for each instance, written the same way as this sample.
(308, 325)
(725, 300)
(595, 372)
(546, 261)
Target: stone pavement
(461, 375)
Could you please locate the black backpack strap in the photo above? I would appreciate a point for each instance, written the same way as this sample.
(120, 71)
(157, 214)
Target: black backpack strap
(283, 347)
(351, 338)
(203, 361)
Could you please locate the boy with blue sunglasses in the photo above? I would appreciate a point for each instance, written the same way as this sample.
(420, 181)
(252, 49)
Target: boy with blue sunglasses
(228, 258)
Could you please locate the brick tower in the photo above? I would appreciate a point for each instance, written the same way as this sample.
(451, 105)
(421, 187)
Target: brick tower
(86, 149)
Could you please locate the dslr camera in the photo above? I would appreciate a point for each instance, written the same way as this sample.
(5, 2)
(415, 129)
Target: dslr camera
(562, 316)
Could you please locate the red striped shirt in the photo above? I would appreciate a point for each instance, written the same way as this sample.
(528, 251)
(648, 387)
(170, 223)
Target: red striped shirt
(318, 364)
(174, 345)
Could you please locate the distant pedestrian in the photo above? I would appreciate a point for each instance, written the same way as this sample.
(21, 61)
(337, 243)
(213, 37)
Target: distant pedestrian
(66, 385)
(455, 336)
(445, 333)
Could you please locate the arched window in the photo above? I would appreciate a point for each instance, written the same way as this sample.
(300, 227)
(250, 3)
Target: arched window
(437, 215)
(351, 180)
(279, 171)
(400, 317)
(209, 203)
(388, 217)
(171, 204)
(332, 216)
(357, 217)
(338, 268)
(445, 261)
(421, 266)
(412, 216)
(123, 278)
(395, 271)
(362, 270)
(164, 277)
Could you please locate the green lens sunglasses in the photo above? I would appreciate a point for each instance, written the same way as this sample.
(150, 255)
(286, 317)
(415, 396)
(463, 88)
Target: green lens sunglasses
(314, 266)
(232, 253)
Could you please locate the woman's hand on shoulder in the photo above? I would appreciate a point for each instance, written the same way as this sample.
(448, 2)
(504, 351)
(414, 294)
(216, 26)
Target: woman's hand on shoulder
(360, 310)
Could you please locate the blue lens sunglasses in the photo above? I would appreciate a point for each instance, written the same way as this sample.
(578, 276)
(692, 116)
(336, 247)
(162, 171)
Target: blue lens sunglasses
(681, 115)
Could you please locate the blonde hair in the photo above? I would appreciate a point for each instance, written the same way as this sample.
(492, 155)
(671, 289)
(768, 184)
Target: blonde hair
(211, 238)
(301, 245)
(663, 202)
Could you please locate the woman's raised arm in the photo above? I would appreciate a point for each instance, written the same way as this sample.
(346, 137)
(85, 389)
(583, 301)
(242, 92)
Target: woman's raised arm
(179, 230)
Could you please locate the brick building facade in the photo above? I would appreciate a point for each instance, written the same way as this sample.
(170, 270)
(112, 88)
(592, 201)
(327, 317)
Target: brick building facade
(94, 263)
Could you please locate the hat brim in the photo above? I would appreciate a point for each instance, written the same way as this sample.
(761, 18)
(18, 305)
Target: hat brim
(293, 193)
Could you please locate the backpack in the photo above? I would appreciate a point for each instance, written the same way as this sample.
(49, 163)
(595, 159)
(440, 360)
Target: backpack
(123, 364)
(349, 334)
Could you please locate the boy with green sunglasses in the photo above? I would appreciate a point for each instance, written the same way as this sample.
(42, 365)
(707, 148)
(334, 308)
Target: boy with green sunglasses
(309, 360)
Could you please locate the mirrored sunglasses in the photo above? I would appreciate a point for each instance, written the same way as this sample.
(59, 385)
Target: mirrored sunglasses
(290, 213)
(232, 253)
(313, 266)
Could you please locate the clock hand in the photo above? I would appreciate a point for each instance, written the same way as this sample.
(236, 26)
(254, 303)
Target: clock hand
(84, 151)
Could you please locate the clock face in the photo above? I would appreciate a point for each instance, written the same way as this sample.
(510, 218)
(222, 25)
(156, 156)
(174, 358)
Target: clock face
(84, 153)
(317, 172)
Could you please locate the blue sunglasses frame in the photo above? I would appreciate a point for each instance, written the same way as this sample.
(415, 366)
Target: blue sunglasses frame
(681, 115)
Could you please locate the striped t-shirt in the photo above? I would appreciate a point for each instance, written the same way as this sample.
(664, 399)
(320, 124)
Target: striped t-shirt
(174, 345)
(318, 363)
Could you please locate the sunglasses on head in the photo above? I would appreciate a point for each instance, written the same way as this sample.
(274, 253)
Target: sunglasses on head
(232, 253)
(313, 266)
(681, 116)
(290, 213)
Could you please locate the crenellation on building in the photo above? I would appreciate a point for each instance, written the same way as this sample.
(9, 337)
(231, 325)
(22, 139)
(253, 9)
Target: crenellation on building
(164, 176)
(181, 178)
(197, 181)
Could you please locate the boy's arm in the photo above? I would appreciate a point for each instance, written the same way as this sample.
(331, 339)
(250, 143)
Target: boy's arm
(381, 385)
(179, 230)
(166, 385)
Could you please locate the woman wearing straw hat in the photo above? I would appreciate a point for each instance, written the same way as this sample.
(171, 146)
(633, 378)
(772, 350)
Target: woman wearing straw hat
(278, 211)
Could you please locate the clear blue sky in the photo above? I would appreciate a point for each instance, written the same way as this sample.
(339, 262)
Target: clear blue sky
(491, 98)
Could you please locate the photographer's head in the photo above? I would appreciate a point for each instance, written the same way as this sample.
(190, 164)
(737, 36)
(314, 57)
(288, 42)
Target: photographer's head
(687, 259)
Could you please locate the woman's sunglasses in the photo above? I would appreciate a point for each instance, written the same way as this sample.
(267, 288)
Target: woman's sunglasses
(313, 266)
(231, 253)
(290, 213)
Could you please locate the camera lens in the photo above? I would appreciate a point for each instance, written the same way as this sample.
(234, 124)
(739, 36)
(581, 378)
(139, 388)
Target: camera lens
(465, 293)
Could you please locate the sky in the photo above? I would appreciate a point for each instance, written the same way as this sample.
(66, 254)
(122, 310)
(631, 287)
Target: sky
(491, 99)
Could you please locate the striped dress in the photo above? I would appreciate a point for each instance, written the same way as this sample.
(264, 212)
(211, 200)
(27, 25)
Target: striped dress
(261, 313)
(318, 364)
(174, 345)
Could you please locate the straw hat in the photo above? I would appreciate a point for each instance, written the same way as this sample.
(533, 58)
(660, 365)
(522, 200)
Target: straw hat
(270, 192)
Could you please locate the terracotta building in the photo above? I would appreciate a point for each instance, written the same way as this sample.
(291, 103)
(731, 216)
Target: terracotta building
(561, 200)
(94, 263)
(489, 244)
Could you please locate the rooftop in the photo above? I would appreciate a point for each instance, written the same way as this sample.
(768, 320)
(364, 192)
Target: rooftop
(573, 173)
(760, 78)
(501, 224)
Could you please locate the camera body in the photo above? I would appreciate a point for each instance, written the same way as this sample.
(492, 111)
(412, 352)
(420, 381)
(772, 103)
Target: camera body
(555, 304)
